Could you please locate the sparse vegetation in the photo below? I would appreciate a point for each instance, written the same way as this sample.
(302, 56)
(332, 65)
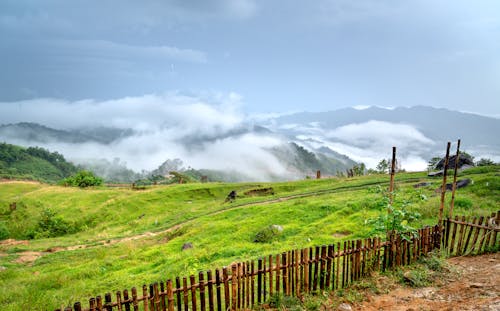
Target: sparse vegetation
(82, 179)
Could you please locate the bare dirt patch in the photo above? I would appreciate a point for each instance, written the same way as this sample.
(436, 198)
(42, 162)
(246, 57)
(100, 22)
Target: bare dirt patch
(13, 242)
(474, 286)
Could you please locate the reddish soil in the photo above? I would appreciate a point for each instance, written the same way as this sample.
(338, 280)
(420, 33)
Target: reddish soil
(472, 284)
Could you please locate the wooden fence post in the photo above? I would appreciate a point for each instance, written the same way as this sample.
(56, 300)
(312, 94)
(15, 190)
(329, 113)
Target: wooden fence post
(201, 282)
(457, 156)
(170, 296)
(210, 284)
(443, 188)
(234, 271)
(226, 288)
(393, 169)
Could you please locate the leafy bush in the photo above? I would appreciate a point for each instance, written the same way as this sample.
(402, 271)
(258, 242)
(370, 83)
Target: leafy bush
(398, 218)
(267, 235)
(82, 179)
(463, 202)
(52, 225)
(4, 232)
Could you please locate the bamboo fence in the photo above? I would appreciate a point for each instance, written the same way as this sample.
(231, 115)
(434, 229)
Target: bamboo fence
(300, 272)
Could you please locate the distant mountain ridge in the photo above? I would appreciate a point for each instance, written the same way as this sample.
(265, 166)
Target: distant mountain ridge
(35, 132)
(435, 123)
(33, 163)
(300, 143)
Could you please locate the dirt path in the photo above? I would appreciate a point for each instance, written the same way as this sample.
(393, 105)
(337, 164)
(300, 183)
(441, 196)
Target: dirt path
(475, 286)
(28, 257)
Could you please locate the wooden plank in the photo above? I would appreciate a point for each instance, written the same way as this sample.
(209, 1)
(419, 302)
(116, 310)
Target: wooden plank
(234, 287)
(252, 281)
(185, 294)
(218, 290)
(443, 187)
(306, 269)
(483, 236)
(460, 237)
(201, 281)
(291, 272)
(225, 279)
(392, 172)
(316, 268)
(170, 296)
(489, 232)
(259, 281)
(454, 184)
(157, 299)
(135, 302)
(92, 304)
(98, 303)
(118, 301)
(471, 229)
(270, 275)
(237, 279)
(107, 302)
(178, 289)
(243, 278)
(193, 292)
(278, 271)
(248, 277)
(322, 268)
(297, 273)
(77, 306)
(126, 300)
(210, 288)
(163, 297)
(453, 235)
(329, 259)
(284, 265)
(344, 264)
(476, 235)
(264, 279)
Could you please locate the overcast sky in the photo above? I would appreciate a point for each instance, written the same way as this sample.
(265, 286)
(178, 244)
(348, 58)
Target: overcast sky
(275, 56)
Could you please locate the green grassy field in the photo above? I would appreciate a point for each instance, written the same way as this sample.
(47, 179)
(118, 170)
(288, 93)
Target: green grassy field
(104, 221)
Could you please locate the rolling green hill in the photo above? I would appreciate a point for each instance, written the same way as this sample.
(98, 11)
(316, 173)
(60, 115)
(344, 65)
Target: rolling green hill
(33, 163)
(72, 244)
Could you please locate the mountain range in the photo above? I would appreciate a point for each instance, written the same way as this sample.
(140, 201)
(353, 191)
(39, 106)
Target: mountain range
(284, 147)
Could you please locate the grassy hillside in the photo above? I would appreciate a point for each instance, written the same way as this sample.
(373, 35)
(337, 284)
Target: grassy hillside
(119, 238)
(33, 163)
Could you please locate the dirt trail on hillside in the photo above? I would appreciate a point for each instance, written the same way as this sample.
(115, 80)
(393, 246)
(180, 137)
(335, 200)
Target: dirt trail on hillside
(476, 286)
(28, 257)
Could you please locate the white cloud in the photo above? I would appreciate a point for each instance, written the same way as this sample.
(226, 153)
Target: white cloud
(206, 132)
(372, 141)
(103, 49)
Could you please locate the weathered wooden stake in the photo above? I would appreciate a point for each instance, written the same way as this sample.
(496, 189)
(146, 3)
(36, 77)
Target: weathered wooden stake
(318, 174)
(393, 169)
(454, 187)
(443, 187)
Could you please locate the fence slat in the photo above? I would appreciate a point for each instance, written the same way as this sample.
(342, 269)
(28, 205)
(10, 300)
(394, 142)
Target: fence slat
(234, 286)
(210, 283)
(170, 296)
(178, 289)
(259, 281)
(201, 280)
(225, 278)
(271, 275)
(218, 290)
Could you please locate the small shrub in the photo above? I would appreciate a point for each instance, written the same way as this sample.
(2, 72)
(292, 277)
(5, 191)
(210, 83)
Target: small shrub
(463, 203)
(267, 235)
(415, 278)
(82, 179)
(4, 232)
